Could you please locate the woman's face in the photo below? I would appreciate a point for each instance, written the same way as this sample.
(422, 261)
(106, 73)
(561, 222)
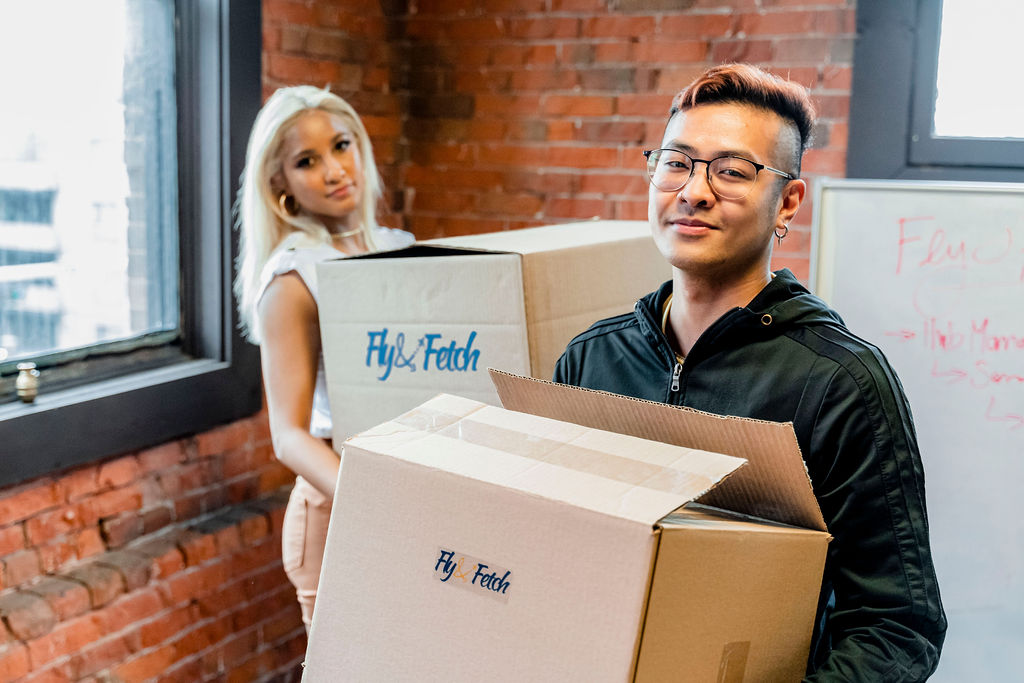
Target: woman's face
(322, 170)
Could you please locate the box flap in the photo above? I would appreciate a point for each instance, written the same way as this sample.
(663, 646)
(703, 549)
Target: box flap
(775, 486)
(614, 474)
(549, 237)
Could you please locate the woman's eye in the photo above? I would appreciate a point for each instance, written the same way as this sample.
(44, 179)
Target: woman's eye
(342, 145)
(304, 162)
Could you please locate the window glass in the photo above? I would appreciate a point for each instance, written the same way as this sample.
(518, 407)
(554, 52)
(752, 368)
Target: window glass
(88, 175)
(978, 93)
(114, 397)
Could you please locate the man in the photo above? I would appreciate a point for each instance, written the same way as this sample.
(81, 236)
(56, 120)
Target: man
(728, 336)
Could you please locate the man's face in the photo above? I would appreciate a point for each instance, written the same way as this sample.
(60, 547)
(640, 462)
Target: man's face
(703, 234)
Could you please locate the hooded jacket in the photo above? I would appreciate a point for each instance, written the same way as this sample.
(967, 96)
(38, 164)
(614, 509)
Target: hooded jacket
(787, 357)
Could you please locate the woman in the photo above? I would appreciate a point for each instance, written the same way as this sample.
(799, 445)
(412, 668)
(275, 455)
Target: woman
(309, 193)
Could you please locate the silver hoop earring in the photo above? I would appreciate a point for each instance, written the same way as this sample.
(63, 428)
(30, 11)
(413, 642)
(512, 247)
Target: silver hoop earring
(780, 235)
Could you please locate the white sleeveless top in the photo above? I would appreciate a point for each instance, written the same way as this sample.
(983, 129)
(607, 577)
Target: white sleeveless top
(299, 253)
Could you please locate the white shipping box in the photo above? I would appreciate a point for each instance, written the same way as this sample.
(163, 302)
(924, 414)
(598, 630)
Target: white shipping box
(469, 542)
(399, 327)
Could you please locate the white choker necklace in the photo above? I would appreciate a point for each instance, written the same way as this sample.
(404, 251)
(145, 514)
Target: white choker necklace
(347, 233)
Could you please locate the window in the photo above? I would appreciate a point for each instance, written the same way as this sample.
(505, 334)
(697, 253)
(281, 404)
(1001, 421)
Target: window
(929, 101)
(137, 338)
(88, 200)
(973, 97)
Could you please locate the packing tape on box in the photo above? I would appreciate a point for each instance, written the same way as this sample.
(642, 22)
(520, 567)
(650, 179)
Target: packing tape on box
(425, 419)
(558, 453)
(733, 664)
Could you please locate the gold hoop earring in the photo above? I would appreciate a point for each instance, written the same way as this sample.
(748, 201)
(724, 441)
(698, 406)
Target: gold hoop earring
(282, 201)
(780, 235)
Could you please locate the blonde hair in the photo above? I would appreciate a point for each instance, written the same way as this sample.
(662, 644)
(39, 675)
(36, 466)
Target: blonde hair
(261, 221)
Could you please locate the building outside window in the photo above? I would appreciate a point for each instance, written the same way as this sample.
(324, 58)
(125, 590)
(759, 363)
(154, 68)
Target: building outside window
(88, 178)
(121, 141)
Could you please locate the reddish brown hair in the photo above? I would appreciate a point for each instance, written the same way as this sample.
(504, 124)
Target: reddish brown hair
(747, 84)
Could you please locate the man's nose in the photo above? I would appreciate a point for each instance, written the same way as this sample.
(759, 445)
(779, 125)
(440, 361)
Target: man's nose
(697, 187)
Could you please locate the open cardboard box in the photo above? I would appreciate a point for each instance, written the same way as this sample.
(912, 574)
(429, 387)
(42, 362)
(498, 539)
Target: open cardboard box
(469, 542)
(400, 327)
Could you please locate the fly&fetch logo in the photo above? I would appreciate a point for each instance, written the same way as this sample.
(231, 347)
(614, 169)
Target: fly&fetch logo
(431, 352)
(463, 571)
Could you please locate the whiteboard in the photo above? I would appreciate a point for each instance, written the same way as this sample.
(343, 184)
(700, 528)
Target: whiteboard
(933, 274)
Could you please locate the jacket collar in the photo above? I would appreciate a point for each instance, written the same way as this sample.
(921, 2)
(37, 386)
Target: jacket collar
(783, 303)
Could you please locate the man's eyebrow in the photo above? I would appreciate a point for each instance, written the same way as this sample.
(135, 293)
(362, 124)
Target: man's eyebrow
(675, 144)
(682, 147)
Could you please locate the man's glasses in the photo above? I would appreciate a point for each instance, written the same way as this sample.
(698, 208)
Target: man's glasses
(730, 177)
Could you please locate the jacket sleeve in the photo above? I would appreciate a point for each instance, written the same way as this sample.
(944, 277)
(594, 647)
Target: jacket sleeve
(563, 373)
(887, 622)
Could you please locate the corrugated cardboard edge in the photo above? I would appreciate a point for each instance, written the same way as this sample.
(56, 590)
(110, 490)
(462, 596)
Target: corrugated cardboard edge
(775, 485)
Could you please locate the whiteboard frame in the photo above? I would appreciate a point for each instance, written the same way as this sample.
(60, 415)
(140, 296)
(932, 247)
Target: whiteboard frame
(823, 242)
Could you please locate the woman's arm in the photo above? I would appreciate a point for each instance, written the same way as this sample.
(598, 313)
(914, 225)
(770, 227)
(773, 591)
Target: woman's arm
(290, 330)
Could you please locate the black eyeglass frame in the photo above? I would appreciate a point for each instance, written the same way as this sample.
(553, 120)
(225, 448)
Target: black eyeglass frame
(707, 169)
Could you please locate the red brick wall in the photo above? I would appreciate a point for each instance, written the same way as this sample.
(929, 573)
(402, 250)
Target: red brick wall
(352, 47)
(159, 565)
(485, 115)
(499, 114)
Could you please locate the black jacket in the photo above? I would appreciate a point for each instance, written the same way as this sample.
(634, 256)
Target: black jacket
(787, 357)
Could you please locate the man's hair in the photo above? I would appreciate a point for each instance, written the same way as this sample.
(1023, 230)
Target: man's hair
(747, 84)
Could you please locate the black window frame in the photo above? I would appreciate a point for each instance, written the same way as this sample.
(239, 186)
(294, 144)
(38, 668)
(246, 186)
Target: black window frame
(892, 104)
(215, 378)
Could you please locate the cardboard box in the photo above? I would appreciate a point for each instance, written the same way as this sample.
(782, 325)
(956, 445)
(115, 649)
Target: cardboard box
(402, 326)
(469, 542)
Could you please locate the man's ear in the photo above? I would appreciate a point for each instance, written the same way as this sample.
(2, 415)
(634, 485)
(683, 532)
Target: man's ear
(793, 194)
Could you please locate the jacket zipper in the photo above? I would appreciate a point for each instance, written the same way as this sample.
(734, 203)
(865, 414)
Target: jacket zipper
(677, 370)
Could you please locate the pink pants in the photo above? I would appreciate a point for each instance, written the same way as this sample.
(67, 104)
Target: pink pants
(303, 536)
